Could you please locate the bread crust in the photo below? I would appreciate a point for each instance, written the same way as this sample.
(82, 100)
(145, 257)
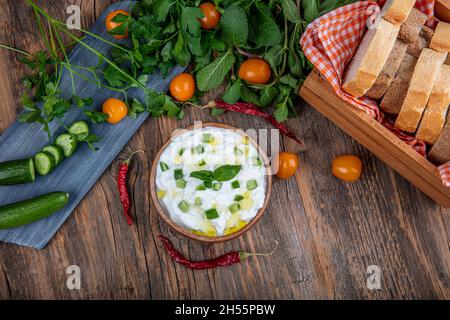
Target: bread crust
(425, 75)
(411, 29)
(440, 152)
(441, 39)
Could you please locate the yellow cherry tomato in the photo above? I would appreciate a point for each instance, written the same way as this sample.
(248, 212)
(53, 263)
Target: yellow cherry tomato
(347, 168)
(110, 24)
(211, 16)
(287, 165)
(255, 70)
(182, 87)
(115, 109)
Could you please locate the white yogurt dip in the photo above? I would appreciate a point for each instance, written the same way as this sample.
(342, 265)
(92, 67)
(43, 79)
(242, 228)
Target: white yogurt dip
(198, 186)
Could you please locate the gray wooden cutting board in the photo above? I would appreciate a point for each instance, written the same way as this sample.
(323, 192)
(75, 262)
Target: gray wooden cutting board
(77, 174)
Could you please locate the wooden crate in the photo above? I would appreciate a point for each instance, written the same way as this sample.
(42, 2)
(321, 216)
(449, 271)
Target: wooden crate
(375, 137)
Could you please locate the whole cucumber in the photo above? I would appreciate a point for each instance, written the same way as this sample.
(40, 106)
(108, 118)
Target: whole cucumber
(27, 211)
(17, 171)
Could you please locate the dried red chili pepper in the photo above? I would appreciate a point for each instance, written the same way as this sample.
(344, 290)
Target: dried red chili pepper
(252, 109)
(222, 261)
(122, 185)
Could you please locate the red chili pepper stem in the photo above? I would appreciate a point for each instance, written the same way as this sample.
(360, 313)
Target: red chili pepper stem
(127, 161)
(245, 255)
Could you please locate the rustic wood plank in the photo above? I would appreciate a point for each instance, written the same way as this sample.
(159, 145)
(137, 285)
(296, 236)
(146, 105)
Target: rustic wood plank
(329, 231)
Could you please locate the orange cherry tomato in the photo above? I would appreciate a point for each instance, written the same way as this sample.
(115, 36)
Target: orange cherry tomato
(347, 168)
(211, 16)
(182, 87)
(111, 24)
(287, 164)
(255, 71)
(115, 109)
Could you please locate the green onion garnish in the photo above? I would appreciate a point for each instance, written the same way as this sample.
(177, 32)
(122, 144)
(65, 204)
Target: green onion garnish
(211, 214)
(181, 183)
(235, 207)
(252, 184)
(163, 166)
(216, 186)
(184, 206)
(198, 201)
(178, 174)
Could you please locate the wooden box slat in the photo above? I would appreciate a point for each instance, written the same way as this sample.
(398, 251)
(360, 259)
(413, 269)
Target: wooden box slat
(375, 137)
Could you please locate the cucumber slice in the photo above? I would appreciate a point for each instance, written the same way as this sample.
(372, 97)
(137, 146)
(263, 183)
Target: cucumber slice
(17, 171)
(80, 129)
(56, 151)
(68, 143)
(44, 162)
(24, 212)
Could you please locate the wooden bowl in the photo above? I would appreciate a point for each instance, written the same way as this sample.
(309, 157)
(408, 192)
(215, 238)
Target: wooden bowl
(163, 214)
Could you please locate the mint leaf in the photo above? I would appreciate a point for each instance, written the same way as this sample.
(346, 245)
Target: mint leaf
(204, 175)
(265, 30)
(290, 10)
(234, 25)
(248, 95)
(212, 75)
(189, 21)
(274, 56)
(233, 93)
(281, 113)
(310, 10)
(268, 94)
(226, 172)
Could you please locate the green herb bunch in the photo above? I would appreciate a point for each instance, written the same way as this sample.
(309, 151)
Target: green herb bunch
(165, 33)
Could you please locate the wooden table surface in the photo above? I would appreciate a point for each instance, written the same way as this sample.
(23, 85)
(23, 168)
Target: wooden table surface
(329, 231)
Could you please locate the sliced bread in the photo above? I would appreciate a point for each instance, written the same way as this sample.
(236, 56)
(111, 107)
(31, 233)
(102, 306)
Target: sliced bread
(415, 48)
(370, 58)
(397, 11)
(396, 93)
(440, 152)
(389, 71)
(433, 120)
(410, 30)
(441, 39)
(422, 82)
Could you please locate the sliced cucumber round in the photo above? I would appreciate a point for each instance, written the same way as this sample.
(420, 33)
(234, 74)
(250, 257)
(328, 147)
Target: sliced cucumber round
(80, 129)
(68, 143)
(56, 151)
(44, 162)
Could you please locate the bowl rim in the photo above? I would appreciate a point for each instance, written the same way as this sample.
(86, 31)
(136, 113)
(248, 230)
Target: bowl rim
(165, 216)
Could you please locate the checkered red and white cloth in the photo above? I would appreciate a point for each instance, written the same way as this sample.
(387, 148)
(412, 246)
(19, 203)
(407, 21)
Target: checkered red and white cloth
(331, 41)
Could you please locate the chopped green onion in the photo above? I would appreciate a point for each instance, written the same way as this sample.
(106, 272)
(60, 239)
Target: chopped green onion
(216, 186)
(235, 207)
(238, 197)
(208, 184)
(257, 161)
(235, 184)
(238, 151)
(199, 149)
(252, 184)
(200, 187)
(207, 138)
(202, 163)
(163, 166)
(181, 183)
(211, 214)
(178, 174)
(181, 151)
(198, 201)
(184, 206)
